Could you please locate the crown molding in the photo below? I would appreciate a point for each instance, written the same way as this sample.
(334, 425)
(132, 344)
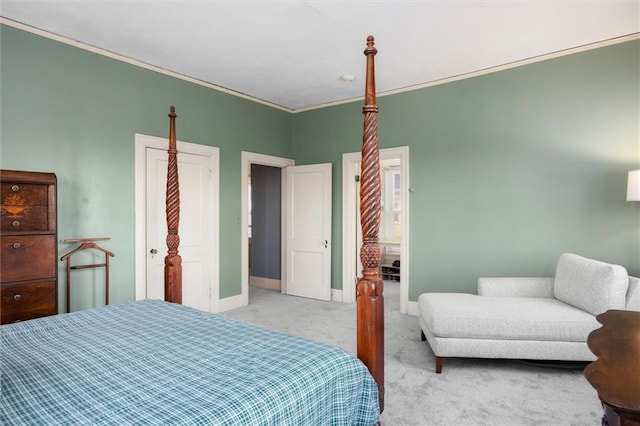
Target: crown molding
(135, 62)
(498, 68)
(490, 70)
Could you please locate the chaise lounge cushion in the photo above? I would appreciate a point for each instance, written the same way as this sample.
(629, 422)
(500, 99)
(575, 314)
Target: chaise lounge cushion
(467, 316)
(590, 285)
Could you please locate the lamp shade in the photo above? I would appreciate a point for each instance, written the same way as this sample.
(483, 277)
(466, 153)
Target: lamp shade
(633, 186)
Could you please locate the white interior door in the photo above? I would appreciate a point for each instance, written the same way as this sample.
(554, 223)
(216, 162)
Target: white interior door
(308, 231)
(196, 228)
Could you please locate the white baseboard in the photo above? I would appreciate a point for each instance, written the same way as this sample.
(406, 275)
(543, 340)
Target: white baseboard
(261, 282)
(234, 302)
(229, 303)
(412, 308)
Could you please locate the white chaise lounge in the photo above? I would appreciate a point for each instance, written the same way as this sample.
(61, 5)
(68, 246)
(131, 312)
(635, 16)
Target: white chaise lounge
(528, 318)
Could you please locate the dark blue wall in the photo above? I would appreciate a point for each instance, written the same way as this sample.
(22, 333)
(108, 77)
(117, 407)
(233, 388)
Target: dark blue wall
(265, 221)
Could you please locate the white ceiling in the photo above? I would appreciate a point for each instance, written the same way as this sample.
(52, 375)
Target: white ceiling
(293, 53)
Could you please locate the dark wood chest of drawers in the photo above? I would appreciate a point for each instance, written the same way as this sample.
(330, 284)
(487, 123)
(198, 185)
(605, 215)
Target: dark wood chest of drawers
(28, 246)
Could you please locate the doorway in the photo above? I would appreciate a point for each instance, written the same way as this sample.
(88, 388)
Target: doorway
(264, 229)
(305, 224)
(247, 160)
(351, 268)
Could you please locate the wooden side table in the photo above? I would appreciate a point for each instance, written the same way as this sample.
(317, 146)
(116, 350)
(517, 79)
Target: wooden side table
(616, 372)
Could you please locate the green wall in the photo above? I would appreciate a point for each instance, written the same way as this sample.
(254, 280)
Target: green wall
(507, 170)
(72, 112)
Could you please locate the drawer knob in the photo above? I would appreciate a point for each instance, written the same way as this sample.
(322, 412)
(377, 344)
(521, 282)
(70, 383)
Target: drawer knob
(15, 188)
(16, 224)
(17, 297)
(17, 245)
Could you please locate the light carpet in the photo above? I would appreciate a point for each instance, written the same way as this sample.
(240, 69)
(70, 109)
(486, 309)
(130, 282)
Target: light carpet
(468, 392)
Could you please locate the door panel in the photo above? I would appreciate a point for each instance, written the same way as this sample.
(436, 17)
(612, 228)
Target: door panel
(308, 232)
(195, 228)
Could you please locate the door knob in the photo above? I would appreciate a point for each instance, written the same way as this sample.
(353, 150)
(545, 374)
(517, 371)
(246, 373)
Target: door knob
(153, 251)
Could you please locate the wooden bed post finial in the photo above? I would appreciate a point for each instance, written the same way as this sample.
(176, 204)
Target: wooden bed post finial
(370, 79)
(173, 261)
(369, 289)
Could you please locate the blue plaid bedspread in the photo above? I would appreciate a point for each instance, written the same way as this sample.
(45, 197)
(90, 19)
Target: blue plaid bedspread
(152, 362)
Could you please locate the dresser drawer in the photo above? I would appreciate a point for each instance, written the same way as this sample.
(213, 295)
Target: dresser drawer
(24, 193)
(24, 207)
(35, 219)
(27, 257)
(24, 301)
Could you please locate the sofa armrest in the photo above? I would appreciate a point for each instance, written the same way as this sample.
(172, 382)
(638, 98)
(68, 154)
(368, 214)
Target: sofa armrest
(516, 287)
(633, 294)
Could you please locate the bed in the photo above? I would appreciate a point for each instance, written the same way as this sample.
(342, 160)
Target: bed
(159, 362)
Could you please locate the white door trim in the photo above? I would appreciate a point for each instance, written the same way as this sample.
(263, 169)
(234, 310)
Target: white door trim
(247, 159)
(142, 142)
(350, 211)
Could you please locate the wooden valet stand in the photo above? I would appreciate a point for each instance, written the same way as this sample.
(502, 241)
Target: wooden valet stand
(87, 243)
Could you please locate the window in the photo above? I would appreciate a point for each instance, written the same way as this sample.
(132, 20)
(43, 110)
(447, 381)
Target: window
(391, 214)
(249, 208)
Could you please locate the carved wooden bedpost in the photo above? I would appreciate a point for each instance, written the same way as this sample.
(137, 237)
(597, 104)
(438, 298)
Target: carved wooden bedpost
(173, 261)
(369, 288)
